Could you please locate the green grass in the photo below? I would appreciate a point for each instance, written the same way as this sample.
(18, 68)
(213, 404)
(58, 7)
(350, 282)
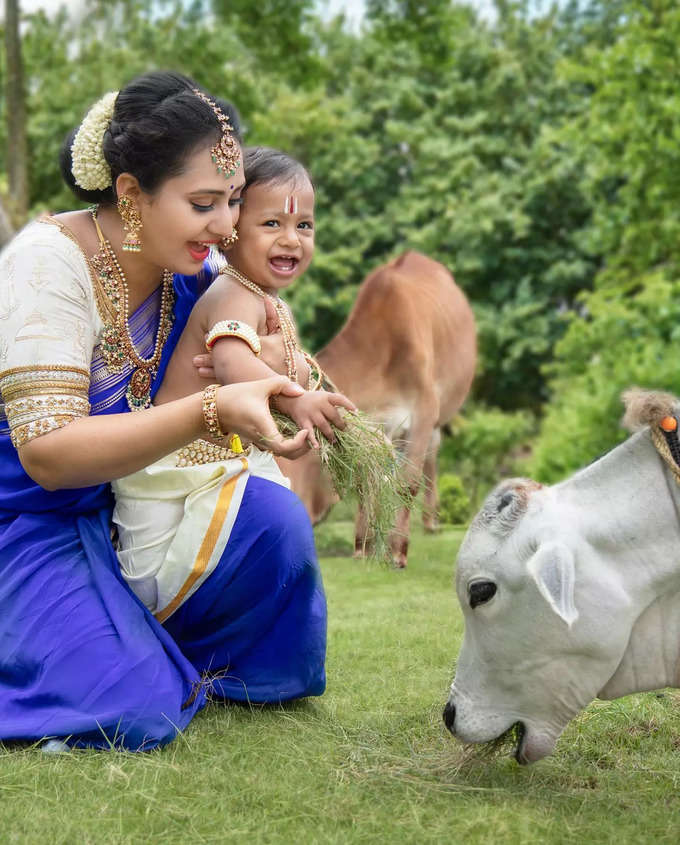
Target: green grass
(368, 762)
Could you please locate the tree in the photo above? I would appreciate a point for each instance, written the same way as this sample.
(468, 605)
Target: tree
(278, 34)
(626, 330)
(6, 227)
(15, 116)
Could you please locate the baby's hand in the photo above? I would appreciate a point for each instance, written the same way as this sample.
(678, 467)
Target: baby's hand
(316, 409)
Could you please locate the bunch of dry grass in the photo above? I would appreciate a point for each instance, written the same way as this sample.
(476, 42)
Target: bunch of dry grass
(363, 463)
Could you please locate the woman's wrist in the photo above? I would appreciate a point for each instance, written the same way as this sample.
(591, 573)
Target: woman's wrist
(211, 419)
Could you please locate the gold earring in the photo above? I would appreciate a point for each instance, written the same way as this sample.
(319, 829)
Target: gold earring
(231, 240)
(132, 223)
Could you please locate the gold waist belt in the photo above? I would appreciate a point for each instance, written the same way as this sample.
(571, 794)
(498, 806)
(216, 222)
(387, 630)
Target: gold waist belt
(203, 452)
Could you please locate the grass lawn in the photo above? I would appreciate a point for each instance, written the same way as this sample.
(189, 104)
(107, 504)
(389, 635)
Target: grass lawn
(370, 761)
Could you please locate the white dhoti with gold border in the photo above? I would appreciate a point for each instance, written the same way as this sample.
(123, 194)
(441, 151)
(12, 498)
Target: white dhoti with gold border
(174, 522)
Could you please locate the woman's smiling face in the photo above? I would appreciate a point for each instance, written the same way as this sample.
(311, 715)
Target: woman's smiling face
(276, 233)
(189, 212)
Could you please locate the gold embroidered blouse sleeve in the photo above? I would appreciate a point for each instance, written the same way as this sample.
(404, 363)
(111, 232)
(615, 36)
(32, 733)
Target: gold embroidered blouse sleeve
(49, 323)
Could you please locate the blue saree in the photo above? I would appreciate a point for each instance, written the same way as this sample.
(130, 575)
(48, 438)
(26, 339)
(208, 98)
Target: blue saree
(83, 660)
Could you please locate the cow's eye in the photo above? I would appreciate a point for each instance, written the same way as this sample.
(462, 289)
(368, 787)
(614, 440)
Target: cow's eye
(481, 591)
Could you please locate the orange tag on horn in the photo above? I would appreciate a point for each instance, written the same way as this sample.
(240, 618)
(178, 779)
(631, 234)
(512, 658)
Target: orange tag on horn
(669, 424)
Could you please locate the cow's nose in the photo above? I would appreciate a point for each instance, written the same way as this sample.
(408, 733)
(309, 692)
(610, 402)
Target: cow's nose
(449, 715)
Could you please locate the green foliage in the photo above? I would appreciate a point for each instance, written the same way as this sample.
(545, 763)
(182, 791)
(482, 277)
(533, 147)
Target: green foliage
(485, 445)
(625, 330)
(454, 501)
(627, 339)
(276, 34)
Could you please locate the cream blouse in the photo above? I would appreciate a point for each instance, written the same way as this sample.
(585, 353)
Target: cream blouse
(51, 306)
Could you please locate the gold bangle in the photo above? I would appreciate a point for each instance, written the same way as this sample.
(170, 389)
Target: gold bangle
(210, 416)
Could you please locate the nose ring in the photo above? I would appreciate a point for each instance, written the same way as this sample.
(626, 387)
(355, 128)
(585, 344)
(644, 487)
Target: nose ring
(231, 239)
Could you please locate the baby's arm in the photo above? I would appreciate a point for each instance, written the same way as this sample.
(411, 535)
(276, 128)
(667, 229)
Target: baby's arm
(233, 358)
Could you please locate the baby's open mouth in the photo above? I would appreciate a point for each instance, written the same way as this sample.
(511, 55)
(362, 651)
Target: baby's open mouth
(284, 263)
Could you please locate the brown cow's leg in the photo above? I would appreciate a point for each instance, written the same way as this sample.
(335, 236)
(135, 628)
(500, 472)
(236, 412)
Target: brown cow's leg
(431, 500)
(363, 541)
(400, 537)
(419, 438)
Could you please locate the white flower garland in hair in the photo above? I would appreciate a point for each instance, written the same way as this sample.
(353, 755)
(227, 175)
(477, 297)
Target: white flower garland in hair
(88, 165)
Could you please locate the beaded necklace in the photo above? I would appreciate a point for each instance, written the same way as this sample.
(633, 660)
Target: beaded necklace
(117, 345)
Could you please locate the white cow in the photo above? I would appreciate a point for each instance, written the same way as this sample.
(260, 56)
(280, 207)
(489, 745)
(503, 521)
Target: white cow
(569, 593)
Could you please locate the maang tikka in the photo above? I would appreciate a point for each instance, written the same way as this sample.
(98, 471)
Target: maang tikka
(132, 223)
(226, 152)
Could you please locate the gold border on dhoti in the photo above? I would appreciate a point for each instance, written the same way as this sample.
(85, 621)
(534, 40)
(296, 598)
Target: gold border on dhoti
(207, 545)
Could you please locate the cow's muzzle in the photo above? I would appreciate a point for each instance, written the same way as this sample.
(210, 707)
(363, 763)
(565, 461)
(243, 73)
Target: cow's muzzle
(517, 732)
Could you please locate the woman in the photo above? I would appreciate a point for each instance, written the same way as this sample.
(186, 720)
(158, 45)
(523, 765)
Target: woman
(89, 315)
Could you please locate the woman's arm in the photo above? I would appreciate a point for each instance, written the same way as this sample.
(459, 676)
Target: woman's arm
(96, 449)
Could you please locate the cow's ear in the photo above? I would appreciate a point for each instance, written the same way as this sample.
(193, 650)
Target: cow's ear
(552, 568)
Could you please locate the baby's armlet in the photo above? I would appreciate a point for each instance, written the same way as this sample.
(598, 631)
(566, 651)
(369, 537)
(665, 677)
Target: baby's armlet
(233, 328)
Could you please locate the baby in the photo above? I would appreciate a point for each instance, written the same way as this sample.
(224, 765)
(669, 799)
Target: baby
(275, 246)
(155, 506)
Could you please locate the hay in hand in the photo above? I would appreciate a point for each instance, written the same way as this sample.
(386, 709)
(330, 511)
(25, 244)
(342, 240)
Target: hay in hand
(363, 463)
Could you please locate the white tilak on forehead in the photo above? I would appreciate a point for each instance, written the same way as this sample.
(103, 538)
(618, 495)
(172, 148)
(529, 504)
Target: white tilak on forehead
(290, 204)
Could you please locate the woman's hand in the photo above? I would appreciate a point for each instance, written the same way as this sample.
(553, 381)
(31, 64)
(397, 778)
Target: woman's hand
(315, 409)
(243, 408)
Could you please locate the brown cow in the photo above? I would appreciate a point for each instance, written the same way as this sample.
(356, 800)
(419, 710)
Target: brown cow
(406, 356)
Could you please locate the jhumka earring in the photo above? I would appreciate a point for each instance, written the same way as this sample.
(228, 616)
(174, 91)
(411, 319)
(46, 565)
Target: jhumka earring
(231, 240)
(132, 223)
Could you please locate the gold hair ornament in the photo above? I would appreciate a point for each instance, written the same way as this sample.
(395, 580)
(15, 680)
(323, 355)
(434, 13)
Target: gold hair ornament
(90, 169)
(226, 152)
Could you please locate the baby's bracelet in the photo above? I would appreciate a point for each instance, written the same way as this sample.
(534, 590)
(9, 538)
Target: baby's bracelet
(233, 328)
(210, 417)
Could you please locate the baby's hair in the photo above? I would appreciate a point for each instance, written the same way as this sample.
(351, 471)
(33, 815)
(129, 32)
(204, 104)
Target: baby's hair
(265, 165)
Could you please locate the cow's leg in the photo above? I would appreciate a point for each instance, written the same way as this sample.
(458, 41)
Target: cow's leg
(363, 539)
(419, 438)
(431, 499)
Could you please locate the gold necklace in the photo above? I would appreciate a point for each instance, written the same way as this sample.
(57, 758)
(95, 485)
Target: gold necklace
(117, 345)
